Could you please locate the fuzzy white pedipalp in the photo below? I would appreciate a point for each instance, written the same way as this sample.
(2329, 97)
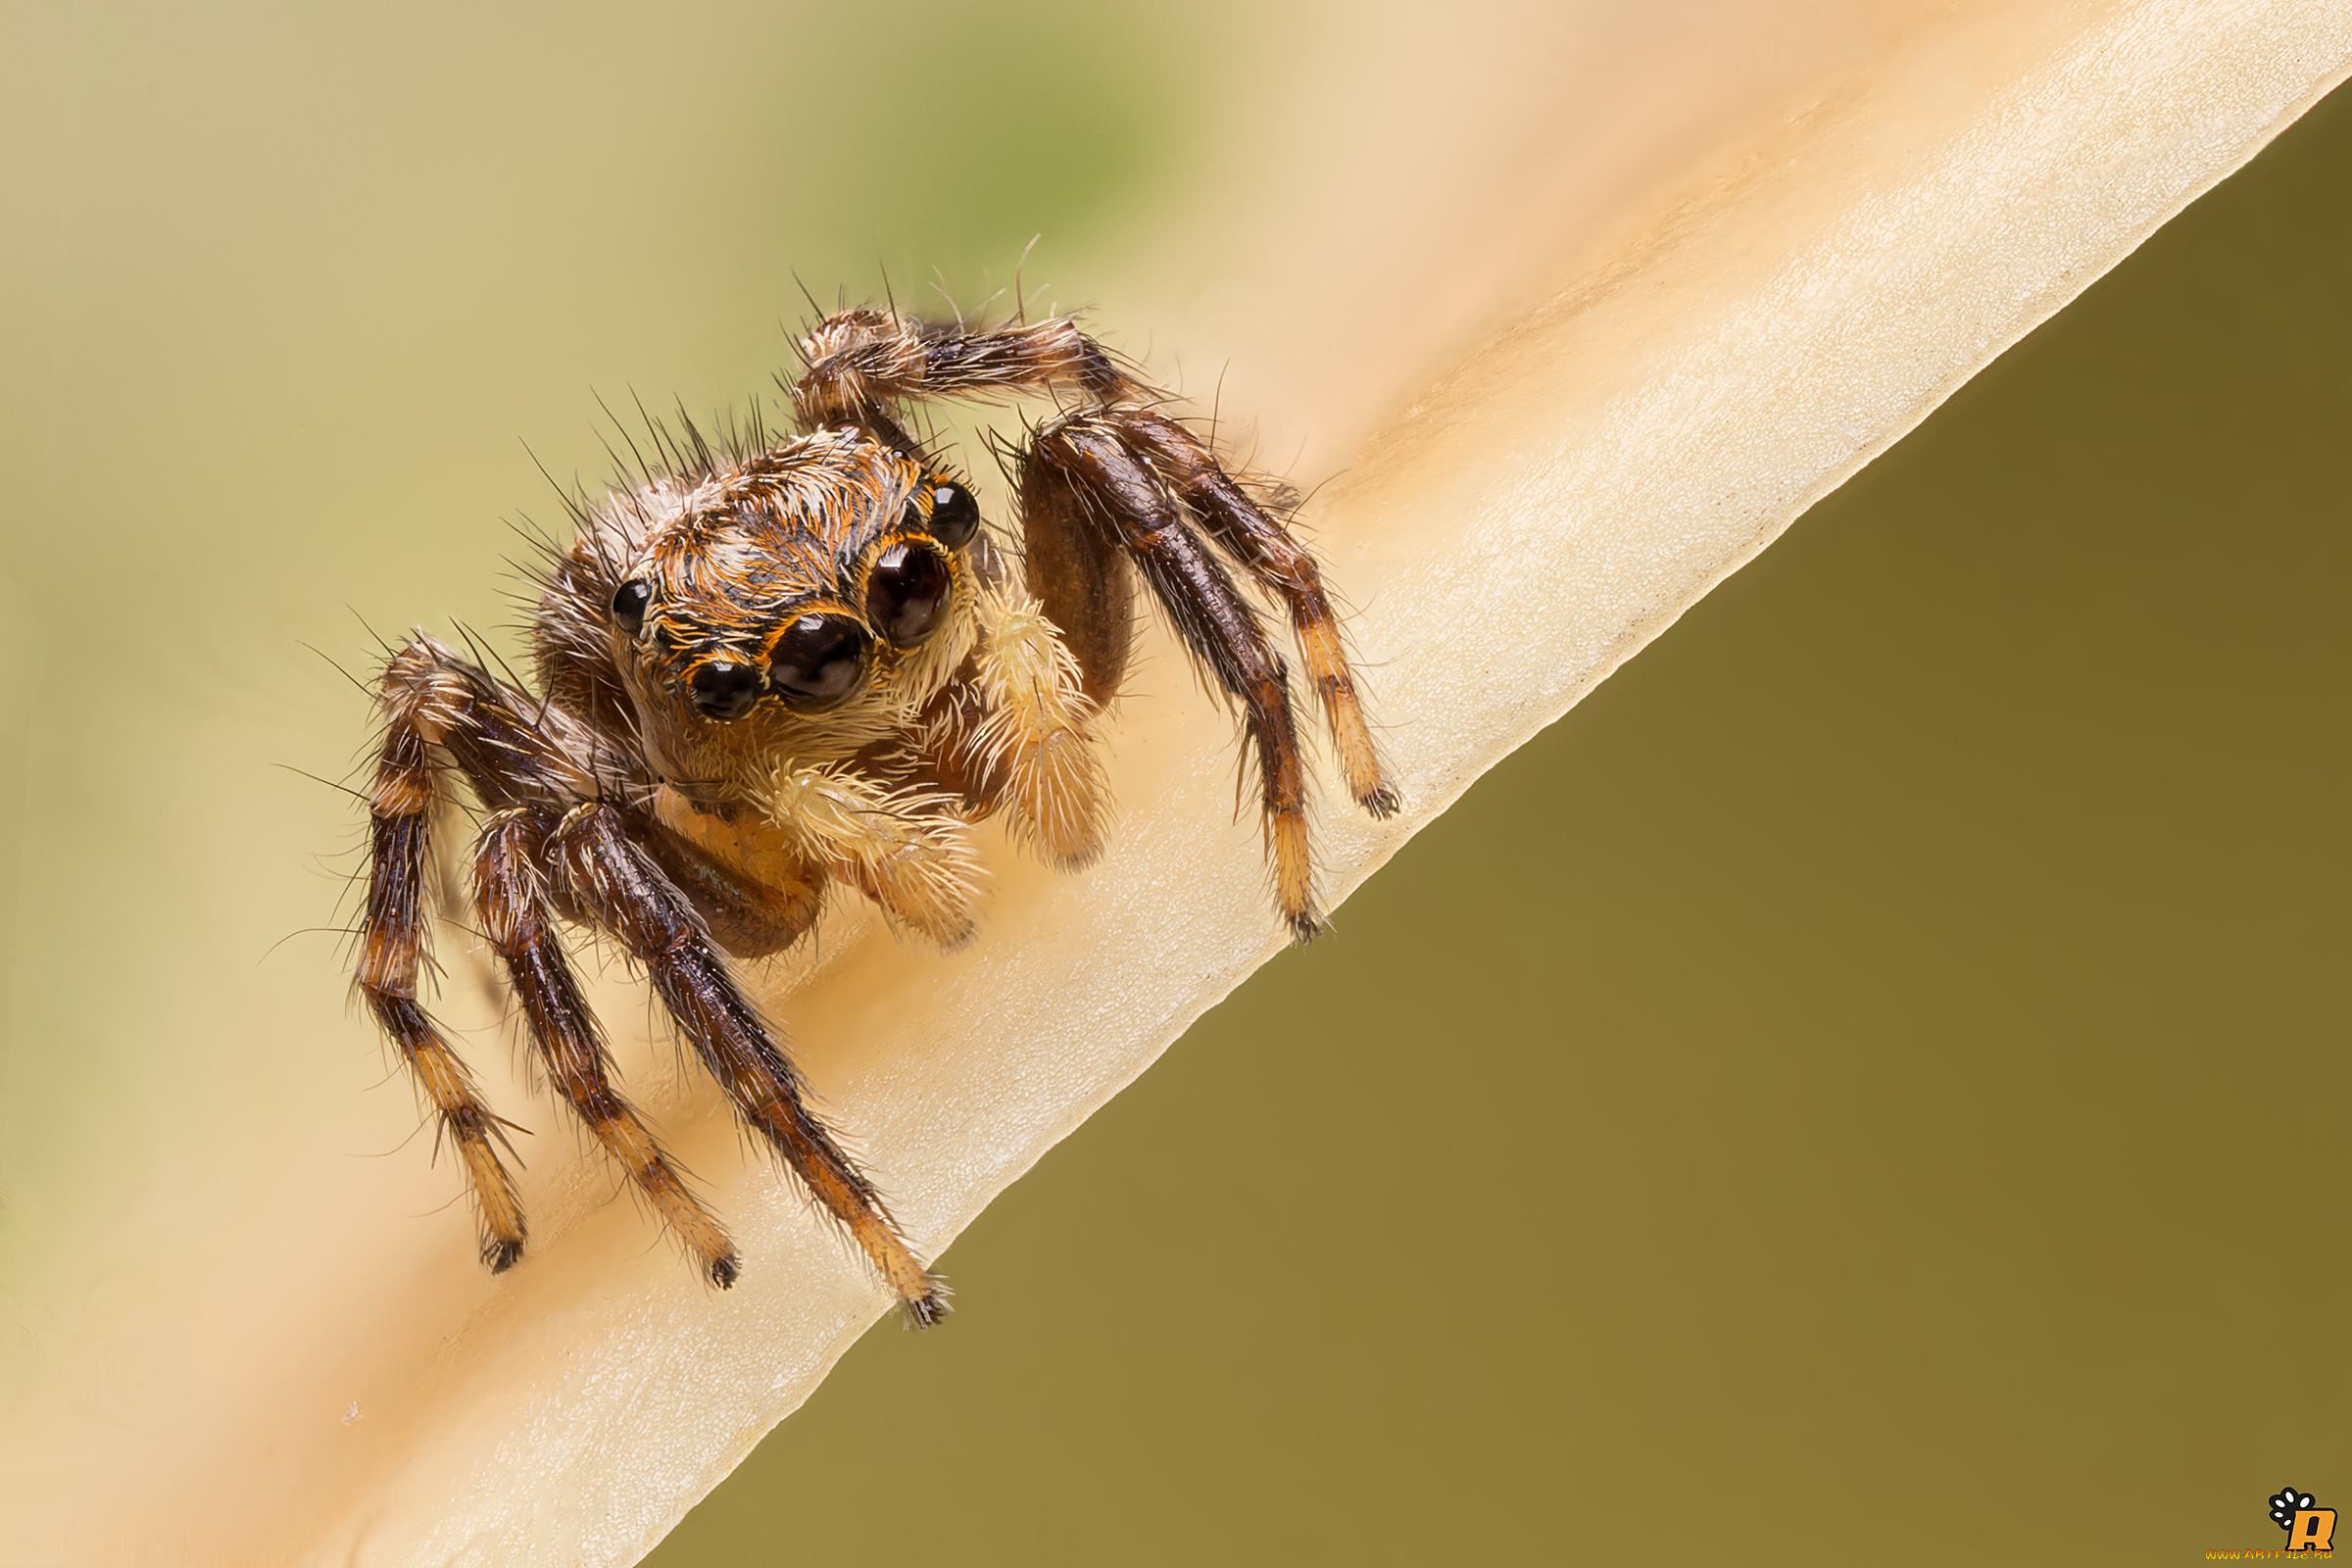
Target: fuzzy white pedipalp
(908, 848)
(1039, 732)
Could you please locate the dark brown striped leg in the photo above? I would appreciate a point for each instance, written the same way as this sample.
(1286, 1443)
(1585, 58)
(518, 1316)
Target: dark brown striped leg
(515, 915)
(431, 698)
(859, 362)
(392, 940)
(1084, 473)
(1282, 567)
(606, 874)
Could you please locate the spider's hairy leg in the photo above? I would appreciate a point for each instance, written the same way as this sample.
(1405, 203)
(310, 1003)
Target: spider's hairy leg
(512, 899)
(1083, 474)
(1080, 575)
(1035, 744)
(392, 943)
(1284, 569)
(604, 872)
(448, 836)
(1113, 478)
(434, 700)
(860, 362)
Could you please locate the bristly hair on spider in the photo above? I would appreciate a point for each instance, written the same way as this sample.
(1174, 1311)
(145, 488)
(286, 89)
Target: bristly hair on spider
(766, 666)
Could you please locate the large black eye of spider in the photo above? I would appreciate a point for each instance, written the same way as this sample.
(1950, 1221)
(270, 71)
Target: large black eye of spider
(628, 605)
(723, 689)
(819, 661)
(955, 515)
(907, 593)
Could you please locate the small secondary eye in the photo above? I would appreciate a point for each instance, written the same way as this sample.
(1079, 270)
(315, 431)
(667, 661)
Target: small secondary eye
(819, 661)
(907, 593)
(955, 515)
(628, 605)
(723, 689)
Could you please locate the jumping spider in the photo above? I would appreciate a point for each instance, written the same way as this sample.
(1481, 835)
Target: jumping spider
(772, 667)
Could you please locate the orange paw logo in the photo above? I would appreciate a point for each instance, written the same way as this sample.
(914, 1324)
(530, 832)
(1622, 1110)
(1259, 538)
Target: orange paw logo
(2308, 1528)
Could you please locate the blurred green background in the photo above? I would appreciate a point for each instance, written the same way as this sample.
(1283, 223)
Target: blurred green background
(1934, 1155)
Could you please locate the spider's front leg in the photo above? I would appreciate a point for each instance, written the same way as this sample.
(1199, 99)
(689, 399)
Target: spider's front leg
(1282, 567)
(1086, 492)
(552, 843)
(433, 699)
(510, 895)
(862, 364)
(612, 878)
(392, 948)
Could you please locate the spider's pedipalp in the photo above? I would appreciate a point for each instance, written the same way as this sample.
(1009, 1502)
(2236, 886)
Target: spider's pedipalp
(907, 849)
(510, 897)
(1037, 742)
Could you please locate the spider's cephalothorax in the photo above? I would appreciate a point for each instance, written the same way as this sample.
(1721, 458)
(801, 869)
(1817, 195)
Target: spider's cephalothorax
(772, 668)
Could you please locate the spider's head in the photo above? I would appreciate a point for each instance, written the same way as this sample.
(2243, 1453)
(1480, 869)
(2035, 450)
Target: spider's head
(806, 602)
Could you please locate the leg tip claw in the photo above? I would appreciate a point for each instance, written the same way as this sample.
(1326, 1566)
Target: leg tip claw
(925, 1310)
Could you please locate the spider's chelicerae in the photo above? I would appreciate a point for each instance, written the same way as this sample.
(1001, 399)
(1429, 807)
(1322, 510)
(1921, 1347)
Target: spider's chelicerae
(767, 669)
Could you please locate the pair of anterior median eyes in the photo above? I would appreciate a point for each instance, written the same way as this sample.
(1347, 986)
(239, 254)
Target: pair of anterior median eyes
(823, 657)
